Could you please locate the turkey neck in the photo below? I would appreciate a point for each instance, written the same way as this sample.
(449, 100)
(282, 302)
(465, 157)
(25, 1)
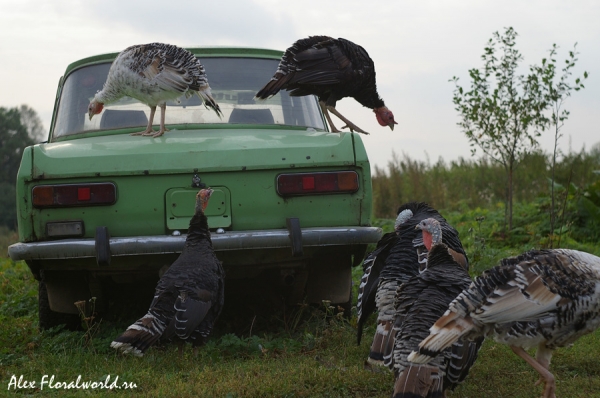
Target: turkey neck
(436, 235)
(364, 72)
(198, 230)
(369, 98)
(117, 76)
(110, 93)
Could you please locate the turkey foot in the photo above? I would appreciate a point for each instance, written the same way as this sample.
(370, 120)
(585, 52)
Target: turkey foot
(145, 132)
(353, 127)
(149, 132)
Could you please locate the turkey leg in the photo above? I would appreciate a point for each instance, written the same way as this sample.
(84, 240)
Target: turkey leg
(149, 129)
(161, 131)
(349, 124)
(550, 385)
(326, 113)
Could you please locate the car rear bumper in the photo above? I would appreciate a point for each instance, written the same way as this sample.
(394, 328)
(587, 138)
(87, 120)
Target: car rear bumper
(234, 240)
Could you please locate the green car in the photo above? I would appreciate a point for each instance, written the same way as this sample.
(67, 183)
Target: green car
(99, 209)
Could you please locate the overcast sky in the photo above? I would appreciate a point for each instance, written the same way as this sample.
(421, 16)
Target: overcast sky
(416, 46)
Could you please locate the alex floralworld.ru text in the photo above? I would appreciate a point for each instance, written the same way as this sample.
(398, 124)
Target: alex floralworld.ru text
(51, 383)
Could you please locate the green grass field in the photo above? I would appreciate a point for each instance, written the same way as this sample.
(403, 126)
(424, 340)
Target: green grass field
(309, 353)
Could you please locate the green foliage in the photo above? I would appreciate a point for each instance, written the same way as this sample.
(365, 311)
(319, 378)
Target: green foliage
(18, 312)
(19, 128)
(319, 358)
(7, 238)
(465, 185)
(555, 90)
(501, 107)
(503, 113)
(313, 354)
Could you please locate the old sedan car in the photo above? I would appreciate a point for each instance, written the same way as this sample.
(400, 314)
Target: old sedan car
(99, 208)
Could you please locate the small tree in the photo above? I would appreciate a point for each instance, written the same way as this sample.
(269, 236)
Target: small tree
(555, 92)
(502, 113)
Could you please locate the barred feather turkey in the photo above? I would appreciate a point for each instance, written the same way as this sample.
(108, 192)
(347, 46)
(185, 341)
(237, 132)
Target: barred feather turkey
(419, 303)
(189, 296)
(371, 270)
(154, 74)
(399, 256)
(331, 69)
(542, 298)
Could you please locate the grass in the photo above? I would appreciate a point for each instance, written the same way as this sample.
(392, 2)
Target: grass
(314, 357)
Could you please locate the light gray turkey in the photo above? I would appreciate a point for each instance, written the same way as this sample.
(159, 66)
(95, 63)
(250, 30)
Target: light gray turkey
(399, 256)
(188, 297)
(419, 303)
(542, 298)
(154, 74)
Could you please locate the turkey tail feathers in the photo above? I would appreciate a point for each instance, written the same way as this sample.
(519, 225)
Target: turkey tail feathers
(368, 289)
(445, 332)
(189, 314)
(383, 337)
(416, 381)
(209, 102)
(276, 83)
(139, 336)
(359, 306)
(463, 355)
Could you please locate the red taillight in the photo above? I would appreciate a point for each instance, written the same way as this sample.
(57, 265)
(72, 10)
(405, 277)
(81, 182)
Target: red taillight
(84, 193)
(74, 195)
(308, 183)
(317, 183)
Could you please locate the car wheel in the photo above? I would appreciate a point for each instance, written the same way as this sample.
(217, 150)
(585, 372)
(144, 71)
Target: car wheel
(347, 305)
(48, 318)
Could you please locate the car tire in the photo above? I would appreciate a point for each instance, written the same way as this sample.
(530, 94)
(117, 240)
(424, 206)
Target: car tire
(347, 306)
(49, 319)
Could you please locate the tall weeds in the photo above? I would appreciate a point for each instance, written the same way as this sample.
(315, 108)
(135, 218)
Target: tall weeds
(472, 183)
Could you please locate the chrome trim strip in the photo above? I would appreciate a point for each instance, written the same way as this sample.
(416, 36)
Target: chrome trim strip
(166, 244)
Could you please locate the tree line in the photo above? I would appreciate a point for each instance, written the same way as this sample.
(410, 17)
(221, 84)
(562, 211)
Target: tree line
(473, 183)
(19, 128)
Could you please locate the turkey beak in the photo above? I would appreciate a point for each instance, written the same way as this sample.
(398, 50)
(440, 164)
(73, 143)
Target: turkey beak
(392, 125)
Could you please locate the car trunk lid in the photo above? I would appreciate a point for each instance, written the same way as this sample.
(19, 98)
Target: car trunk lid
(206, 149)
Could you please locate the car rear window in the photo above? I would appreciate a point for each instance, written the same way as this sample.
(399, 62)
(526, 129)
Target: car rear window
(233, 82)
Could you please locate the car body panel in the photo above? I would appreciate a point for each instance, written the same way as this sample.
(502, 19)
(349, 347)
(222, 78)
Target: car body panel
(143, 166)
(313, 237)
(207, 150)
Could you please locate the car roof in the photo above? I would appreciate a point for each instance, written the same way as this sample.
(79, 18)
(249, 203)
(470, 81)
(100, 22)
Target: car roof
(206, 51)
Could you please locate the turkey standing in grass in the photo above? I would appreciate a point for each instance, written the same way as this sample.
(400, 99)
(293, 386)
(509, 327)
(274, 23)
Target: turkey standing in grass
(398, 257)
(542, 298)
(189, 296)
(154, 74)
(331, 69)
(419, 303)
(371, 270)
